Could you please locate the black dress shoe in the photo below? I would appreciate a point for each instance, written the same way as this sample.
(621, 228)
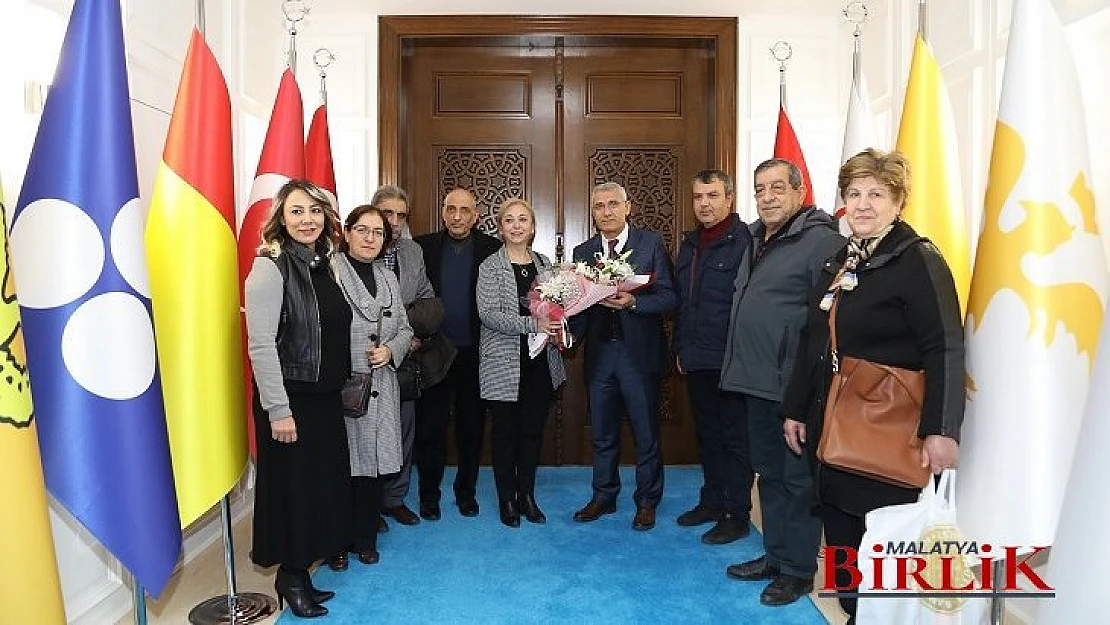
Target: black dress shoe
(697, 516)
(644, 519)
(338, 562)
(368, 556)
(785, 589)
(383, 527)
(752, 570)
(730, 528)
(403, 515)
(530, 510)
(468, 507)
(429, 510)
(594, 510)
(510, 516)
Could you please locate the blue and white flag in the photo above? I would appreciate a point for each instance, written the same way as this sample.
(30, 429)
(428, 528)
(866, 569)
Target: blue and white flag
(77, 248)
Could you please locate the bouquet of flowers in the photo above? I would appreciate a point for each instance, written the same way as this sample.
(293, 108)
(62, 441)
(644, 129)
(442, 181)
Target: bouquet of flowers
(566, 290)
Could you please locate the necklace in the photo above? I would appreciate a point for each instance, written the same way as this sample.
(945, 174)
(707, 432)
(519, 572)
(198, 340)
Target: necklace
(524, 271)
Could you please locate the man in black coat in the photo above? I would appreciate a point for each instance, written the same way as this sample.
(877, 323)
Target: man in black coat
(705, 273)
(452, 257)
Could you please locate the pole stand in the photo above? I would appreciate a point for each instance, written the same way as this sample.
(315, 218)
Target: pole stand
(243, 608)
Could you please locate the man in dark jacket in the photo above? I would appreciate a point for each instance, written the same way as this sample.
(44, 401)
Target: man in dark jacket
(452, 257)
(790, 246)
(705, 274)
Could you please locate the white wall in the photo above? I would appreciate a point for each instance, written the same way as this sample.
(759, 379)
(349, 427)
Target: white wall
(248, 37)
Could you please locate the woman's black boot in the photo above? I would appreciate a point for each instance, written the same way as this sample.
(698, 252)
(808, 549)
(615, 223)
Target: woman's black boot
(319, 596)
(510, 516)
(530, 509)
(295, 589)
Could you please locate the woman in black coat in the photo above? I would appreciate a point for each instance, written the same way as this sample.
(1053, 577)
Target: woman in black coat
(898, 307)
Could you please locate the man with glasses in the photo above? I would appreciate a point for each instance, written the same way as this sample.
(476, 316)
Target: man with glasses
(625, 358)
(790, 245)
(405, 258)
(453, 256)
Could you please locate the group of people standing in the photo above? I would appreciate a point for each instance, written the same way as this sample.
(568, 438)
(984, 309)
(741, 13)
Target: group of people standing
(750, 336)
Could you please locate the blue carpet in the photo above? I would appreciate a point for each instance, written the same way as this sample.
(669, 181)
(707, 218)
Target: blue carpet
(461, 570)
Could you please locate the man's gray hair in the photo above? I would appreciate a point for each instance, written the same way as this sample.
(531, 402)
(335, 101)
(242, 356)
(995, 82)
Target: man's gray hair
(794, 172)
(609, 186)
(390, 192)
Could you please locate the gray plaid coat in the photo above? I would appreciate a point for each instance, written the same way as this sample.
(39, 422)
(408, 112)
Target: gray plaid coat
(502, 324)
(375, 439)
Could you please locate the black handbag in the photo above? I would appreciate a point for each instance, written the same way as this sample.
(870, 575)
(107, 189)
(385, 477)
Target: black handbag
(356, 394)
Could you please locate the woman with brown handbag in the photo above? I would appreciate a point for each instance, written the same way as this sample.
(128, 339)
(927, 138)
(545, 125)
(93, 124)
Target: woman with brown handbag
(891, 303)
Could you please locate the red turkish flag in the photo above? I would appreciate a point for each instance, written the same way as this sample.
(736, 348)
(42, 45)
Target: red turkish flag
(788, 148)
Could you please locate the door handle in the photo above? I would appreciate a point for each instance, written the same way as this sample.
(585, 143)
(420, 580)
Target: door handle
(560, 249)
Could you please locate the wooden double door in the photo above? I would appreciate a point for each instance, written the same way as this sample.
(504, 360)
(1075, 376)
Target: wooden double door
(545, 116)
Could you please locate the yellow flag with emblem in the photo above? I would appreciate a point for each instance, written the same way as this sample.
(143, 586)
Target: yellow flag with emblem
(1037, 295)
(29, 588)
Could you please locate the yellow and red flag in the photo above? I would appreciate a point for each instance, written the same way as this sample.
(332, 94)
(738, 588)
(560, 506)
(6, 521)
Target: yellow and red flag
(29, 588)
(927, 137)
(194, 279)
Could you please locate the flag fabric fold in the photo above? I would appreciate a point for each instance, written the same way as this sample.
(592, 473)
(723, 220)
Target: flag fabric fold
(1038, 295)
(30, 590)
(192, 257)
(78, 254)
(788, 148)
(319, 167)
(927, 138)
(859, 127)
(282, 159)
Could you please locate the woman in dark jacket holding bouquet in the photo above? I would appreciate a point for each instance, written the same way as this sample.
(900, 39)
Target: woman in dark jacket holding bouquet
(298, 338)
(896, 305)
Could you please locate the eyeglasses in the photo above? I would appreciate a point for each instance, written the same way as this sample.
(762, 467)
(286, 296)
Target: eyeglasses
(390, 213)
(367, 231)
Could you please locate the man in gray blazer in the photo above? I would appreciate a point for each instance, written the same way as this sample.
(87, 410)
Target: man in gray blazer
(405, 258)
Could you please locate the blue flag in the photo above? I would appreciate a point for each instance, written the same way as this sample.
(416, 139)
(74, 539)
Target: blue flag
(77, 248)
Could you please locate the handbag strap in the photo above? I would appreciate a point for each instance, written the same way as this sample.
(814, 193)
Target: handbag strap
(834, 358)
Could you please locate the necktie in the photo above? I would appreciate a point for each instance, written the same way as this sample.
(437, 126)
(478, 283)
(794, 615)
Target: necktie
(612, 248)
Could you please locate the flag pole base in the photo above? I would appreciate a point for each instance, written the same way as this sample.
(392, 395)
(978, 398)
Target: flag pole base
(243, 608)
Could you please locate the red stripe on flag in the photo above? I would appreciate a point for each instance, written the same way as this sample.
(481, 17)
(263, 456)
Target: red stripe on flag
(788, 148)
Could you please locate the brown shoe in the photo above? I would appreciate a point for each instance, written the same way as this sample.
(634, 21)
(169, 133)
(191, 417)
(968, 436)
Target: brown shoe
(338, 562)
(403, 515)
(645, 519)
(369, 556)
(594, 510)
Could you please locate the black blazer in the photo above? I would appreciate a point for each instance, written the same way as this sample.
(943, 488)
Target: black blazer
(432, 244)
(643, 327)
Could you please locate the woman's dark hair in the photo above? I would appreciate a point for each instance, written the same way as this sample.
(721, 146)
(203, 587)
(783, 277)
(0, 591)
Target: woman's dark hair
(356, 214)
(274, 234)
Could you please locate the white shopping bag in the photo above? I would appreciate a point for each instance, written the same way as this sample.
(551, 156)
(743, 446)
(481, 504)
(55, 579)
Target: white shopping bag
(919, 534)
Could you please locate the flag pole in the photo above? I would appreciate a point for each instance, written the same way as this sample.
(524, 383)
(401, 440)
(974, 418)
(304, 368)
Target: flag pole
(322, 59)
(781, 52)
(856, 14)
(922, 20)
(294, 11)
(138, 602)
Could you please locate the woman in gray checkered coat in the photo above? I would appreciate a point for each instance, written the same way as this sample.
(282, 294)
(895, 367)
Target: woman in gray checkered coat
(519, 388)
(380, 338)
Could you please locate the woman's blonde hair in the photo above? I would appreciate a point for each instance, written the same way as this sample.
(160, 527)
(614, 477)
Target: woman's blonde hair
(274, 234)
(890, 169)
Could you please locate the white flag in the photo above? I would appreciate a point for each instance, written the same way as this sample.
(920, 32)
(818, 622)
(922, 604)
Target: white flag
(859, 127)
(1037, 295)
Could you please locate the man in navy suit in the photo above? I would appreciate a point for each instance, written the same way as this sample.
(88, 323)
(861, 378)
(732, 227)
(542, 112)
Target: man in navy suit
(625, 357)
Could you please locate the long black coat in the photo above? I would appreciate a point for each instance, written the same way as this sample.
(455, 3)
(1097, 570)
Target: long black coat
(904, 313)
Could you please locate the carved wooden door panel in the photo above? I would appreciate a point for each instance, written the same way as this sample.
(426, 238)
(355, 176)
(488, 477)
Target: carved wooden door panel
(546, 118)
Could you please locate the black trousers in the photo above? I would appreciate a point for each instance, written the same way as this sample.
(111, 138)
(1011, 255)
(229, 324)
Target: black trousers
(843, 530)
(791, 532)
(367, 494)
(433, 412)
(516, 434)
(721, 423)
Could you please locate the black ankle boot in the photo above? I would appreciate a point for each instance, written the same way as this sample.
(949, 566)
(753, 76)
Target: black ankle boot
(530, 510)
(510, 516)
(296, 589)
(319, 596)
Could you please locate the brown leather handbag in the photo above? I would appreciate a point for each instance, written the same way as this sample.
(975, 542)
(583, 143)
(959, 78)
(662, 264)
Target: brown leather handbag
(872, 414)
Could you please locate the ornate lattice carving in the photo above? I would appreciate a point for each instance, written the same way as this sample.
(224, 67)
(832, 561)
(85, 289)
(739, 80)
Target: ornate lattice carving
(652, 176)
(493, 174)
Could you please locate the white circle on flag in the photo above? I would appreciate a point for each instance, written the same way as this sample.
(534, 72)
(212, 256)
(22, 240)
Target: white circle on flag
(57, 253)
(108, 346)
(128, 250)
